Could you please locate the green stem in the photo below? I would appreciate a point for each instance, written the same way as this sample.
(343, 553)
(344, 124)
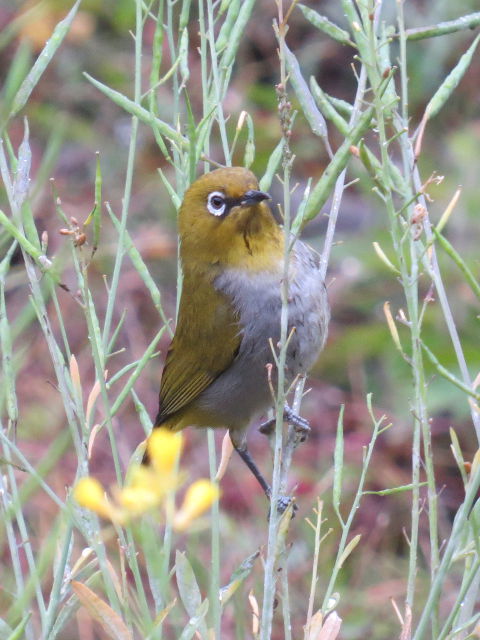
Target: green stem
(458, 529)
(112, 294)
(470, 21)
(215, 542)
(217, 98)
(347, 525)
(273, 525)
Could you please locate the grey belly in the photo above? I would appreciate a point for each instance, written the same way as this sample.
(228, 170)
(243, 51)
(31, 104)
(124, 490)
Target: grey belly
(242, 391)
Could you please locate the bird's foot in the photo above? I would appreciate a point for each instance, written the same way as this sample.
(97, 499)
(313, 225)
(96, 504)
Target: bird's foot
(283, 503)
(301, 425)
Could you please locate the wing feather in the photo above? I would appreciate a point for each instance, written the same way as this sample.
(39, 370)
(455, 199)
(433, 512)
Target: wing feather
(206, 342)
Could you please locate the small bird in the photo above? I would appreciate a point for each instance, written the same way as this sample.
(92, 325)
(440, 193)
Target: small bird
(232, 254)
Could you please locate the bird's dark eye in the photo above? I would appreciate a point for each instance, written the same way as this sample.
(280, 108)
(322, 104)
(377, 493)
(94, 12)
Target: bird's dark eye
(216, 203)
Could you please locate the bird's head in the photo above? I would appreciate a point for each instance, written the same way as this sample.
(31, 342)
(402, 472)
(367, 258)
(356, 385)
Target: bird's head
(224, 219)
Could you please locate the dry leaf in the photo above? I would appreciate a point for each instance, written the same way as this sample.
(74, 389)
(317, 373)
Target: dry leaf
(315, 626)
(330, 628)
(75, 376)
(255, 613)
(227, 450)
(92, 396)
(407, 624)
(111, 622)
(93, 434)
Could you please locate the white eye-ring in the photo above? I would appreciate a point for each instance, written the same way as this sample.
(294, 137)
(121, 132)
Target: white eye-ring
(216, 203)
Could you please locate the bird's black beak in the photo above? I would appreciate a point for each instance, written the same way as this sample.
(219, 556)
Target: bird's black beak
(253, 197)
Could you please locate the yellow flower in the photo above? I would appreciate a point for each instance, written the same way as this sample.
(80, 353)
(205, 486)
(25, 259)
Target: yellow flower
(143, 490)
(90, 494)
(199, 497)
(137, 500)
(164, 448)
(146, 487)
(141, 477)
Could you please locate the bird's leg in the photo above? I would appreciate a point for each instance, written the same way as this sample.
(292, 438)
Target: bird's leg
(247, 458)
(301, 425)
(243, 452)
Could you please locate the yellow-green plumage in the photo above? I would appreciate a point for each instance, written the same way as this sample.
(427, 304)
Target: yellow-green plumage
(248, 237)
(200, 351)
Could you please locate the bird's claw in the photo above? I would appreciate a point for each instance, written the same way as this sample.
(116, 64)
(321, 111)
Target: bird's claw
(283, 503)
(301, 425)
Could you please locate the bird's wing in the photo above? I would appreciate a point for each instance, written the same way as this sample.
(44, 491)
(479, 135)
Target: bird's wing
(206, 341)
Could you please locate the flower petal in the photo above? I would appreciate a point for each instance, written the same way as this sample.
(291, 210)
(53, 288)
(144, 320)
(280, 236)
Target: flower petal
(199, 497)
(90, 494)
(164, 448)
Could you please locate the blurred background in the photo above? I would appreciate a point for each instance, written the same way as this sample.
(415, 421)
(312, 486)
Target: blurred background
(70, 120)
